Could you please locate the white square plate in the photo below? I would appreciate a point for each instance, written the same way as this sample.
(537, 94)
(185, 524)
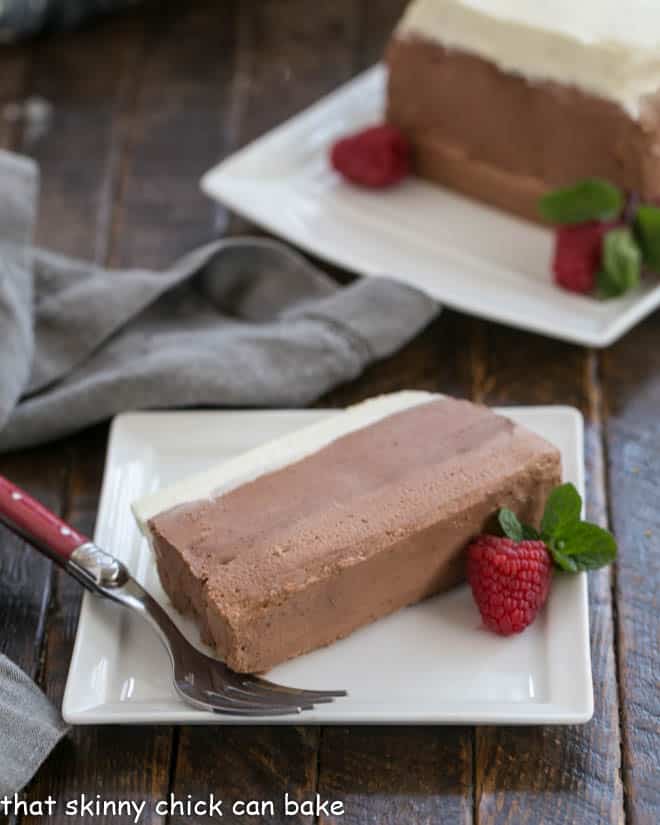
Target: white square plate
(466, 255)
(432, 663)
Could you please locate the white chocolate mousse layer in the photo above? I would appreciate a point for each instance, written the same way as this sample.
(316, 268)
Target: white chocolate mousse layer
(609, 48)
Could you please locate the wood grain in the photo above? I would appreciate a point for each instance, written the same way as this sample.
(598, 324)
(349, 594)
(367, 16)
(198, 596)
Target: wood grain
(14, 64)
(176, 129)
(545, 774)
(397, 776)
(631, 379)
(245, 764)
(85, 79)
(378, 21)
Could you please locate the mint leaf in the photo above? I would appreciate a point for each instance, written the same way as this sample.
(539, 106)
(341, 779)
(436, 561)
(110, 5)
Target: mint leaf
(566, 563)
(510, 525)
(513, 528)
(647, 224)
(592, 199)
(583, 546)
(529, 533)
(606, 289)
(622, 263)
(574, 544)
(562, 510)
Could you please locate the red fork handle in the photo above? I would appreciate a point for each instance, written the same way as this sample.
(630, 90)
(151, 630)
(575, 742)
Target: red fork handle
(37, 524)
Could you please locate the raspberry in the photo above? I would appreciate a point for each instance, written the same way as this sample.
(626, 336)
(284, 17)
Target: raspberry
(510, 581)
(376, 157)
(578, 253)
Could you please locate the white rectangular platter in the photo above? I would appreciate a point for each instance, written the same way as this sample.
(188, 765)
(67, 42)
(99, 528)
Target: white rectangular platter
(428, 664)
(478, 260)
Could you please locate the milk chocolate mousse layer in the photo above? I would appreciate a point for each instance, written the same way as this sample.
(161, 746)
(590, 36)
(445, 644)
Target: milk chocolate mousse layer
(506, 139)
(374, 520)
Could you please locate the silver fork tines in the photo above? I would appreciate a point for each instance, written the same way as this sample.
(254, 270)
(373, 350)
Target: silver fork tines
(205, 683)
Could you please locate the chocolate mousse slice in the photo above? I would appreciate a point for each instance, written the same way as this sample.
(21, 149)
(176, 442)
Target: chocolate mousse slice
(504, 101)
(298, 543)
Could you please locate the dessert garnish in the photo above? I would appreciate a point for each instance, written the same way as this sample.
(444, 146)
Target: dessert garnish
(604, 240)
(375, 157)
(510, 575)
(622, 262)
(647, 224)
(578, 255)
(588, 200)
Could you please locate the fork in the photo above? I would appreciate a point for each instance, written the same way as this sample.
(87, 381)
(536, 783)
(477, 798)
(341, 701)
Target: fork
(201, 681)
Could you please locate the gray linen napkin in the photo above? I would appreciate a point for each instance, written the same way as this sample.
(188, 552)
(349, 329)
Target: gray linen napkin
(30, 727)
(239, 322)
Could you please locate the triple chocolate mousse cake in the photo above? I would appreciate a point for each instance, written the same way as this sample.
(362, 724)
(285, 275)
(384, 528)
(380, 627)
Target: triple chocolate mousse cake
(506, 99)
(299, 542)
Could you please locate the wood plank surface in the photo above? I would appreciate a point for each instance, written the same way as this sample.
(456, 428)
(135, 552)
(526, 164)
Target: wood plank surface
(14, 64)
(176, 129)
(82, 80)
(397, 776)
(631, 378)
(244, 764)
(139, 107)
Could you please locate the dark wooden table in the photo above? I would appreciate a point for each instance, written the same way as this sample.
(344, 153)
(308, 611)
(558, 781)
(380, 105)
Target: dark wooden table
(142, 105)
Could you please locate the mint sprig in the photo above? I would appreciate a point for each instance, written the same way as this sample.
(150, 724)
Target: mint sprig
(584, 547)
(562, 509)
(510, 525)
(592, 199)
(512, 528)
(626, 249)
(622, 263)
(647, 228)
(573, 544)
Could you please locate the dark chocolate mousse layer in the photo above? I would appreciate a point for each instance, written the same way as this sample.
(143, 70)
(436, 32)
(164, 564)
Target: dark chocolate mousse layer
(376, 520)
(505, 140)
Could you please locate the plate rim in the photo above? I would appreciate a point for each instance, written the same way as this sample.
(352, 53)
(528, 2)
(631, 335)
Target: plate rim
(219, 184)
(514, 714)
